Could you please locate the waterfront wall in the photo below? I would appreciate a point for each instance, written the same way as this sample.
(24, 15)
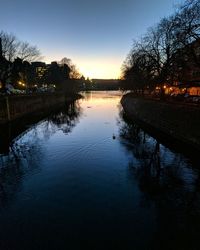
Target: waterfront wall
(176, 122)
(13, 107)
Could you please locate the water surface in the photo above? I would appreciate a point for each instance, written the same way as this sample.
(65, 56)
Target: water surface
(85, 175)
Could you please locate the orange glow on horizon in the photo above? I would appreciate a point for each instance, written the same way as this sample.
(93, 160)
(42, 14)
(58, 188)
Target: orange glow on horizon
(94, 68)
(100, 71)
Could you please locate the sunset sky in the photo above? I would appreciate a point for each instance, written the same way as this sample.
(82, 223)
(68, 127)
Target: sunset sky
(96, 35)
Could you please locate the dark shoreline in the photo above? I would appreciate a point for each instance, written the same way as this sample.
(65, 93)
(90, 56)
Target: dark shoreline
(178, 127)
(18, 106)
(10, 130)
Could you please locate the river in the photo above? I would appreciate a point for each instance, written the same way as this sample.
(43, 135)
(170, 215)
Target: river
(85, 175)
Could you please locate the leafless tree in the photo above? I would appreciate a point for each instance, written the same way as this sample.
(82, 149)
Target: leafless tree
(165, 48)
(13, 48)
(188, 22)
(28, 52)
(74, 73)
(10, 45)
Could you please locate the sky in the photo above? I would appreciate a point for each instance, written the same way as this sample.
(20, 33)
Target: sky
(95, 35)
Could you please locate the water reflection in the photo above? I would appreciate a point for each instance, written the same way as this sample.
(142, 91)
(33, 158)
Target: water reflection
(64, 120)
(22, 151)
(168, 183)
(60, 183)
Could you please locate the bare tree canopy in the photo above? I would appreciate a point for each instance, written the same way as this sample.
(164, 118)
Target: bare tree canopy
(164, 50)
(74, 73)
(28, 52)
(13, 48)
(10, 45)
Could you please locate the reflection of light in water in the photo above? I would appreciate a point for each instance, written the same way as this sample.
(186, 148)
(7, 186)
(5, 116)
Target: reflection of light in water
(100, 96)
(86, 179)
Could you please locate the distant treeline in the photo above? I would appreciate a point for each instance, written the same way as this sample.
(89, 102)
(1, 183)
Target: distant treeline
(105, 84)
(168, 53)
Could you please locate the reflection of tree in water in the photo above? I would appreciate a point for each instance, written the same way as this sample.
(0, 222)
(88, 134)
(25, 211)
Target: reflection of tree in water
(26, 150)
(64, 120)
(23, 157)
(169, 184)
(67, 119)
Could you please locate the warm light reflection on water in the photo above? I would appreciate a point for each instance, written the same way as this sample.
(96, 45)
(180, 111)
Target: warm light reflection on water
(85, 173)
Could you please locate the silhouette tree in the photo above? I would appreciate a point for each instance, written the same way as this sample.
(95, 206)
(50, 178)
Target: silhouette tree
(165, 50)
(5, 67)
(74, 72)
(13, 48)
(14, 55)
(28, 52)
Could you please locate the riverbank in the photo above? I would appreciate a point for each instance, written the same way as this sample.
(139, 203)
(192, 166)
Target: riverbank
(175, 123)
(17, 106)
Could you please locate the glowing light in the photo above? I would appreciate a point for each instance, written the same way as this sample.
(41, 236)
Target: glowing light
(99, 69)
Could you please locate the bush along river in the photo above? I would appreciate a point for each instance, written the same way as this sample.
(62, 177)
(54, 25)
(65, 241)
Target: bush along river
(86, 176)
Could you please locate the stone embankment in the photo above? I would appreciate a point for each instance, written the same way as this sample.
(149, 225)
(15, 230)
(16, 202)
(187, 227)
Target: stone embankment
(177, 123)
(16, 106)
